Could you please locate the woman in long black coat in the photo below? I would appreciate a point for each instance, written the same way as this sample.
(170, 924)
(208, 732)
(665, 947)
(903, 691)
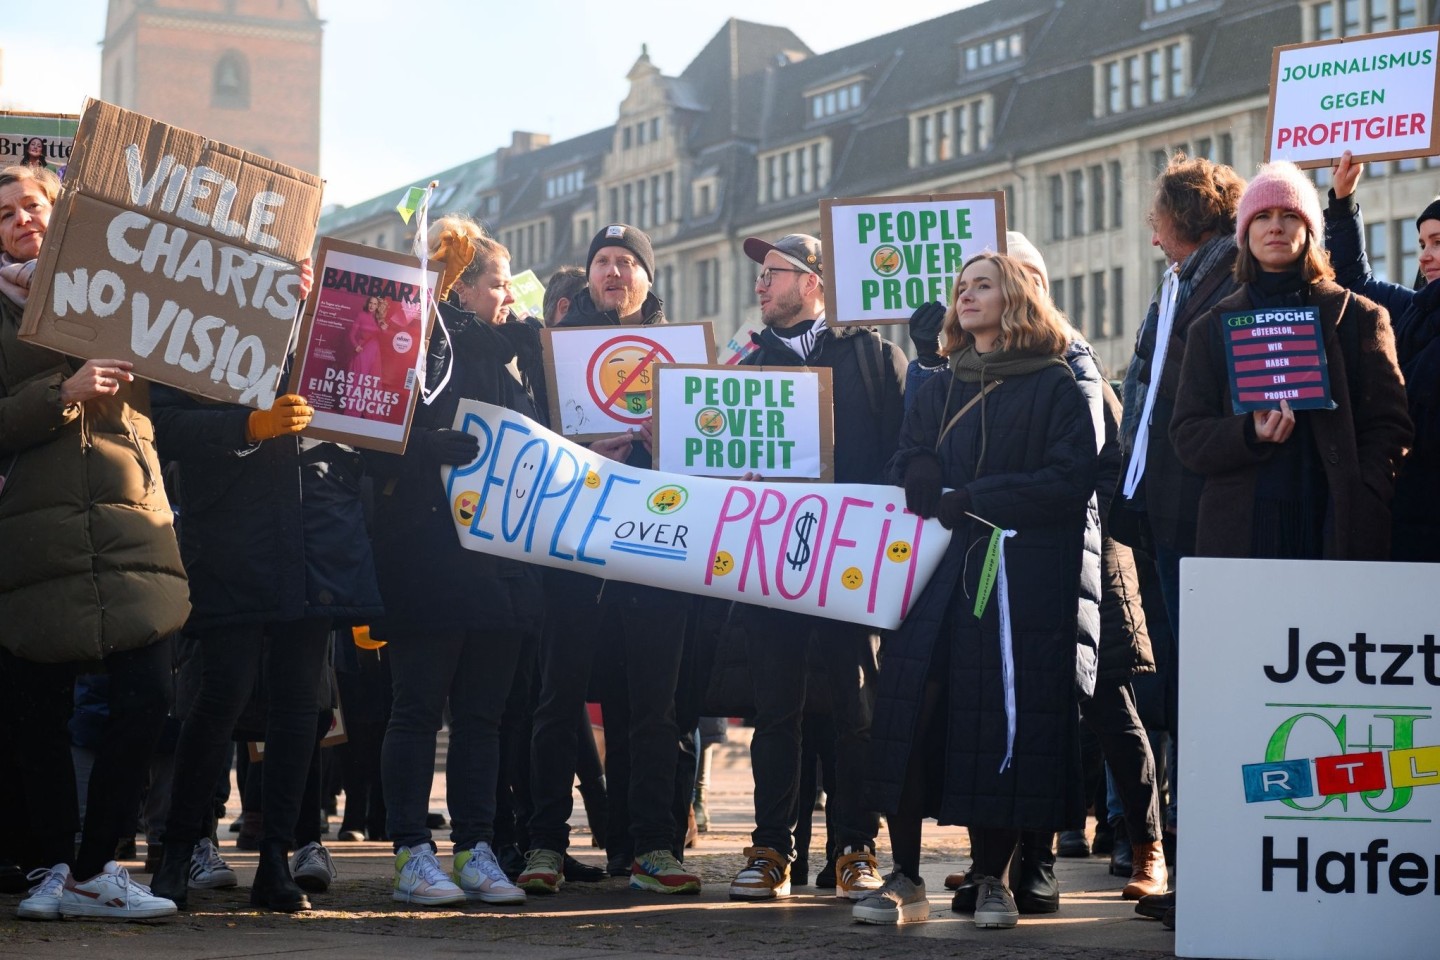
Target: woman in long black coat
(958, 734)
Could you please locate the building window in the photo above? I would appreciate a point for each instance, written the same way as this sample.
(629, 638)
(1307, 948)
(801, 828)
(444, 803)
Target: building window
(1097, 304)
(704, 200)
(1057, 293)
(1077, 203)
(951, 130)
(794, 171)
(1166, 6)
(709, 287)
(1057, 207)
(1097, 198)
(654, 129)
(564, 184)
(1117, 302)
(1329, 19)
(231, 86)
(1117, 195)
(994, 51)
(837, 100)
(1377, 250)
(1145, 77)
(615, 206)
(665, 283)
(1077, 301)
(1409, 266)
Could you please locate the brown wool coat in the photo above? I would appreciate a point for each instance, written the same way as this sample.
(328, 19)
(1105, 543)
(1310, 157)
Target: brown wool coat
(1361, 442)
(88, 560)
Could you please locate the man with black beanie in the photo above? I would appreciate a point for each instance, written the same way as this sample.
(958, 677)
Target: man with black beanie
(642, 630)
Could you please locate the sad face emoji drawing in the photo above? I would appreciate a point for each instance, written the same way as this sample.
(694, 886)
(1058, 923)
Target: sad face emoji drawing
(899, 551)
(723, 564)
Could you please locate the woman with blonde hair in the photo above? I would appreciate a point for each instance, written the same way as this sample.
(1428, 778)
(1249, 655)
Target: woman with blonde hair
(977, 720)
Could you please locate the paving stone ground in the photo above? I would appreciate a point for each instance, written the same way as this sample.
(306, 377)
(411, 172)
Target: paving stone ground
(357, 920)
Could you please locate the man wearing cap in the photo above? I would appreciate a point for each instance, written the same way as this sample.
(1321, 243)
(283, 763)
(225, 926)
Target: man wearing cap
(643, 628)
(868, 376)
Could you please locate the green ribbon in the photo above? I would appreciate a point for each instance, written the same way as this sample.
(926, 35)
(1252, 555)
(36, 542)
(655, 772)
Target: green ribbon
(988, 571)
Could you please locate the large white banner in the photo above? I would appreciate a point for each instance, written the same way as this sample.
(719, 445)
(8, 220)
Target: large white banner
(1309, 760)
(845, 551)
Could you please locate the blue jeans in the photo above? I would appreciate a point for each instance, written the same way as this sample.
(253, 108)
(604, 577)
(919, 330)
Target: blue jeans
(473, 670)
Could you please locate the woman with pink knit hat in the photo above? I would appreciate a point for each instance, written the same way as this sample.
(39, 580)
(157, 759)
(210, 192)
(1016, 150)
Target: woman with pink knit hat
(1280, 483)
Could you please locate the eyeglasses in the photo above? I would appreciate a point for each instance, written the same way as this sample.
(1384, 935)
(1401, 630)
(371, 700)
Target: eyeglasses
(767, 275)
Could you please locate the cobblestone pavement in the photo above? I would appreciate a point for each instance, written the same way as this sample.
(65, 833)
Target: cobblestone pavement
(357, 919)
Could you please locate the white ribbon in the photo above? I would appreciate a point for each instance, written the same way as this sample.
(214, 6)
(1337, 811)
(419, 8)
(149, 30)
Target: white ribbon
(422, 250)
(1169, 293)
(1007, 652)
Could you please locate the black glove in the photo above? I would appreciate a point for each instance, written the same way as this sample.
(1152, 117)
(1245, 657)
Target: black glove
(922, 485)
(925, 324)
(953, 506)
(446, 446)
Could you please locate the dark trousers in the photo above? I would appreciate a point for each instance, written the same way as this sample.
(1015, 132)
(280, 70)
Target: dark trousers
(1111, 716)
(36, 700)
(512, 791)
(292, 655)
(650, 639)
(776, 645)
(473, 669)
(1167, 563)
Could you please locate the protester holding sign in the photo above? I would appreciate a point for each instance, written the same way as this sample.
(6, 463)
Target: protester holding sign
(982, 673)
(1282, 484)
(89, 570)
(1415, 527)
(644, 627)
(276, 548)
(868, 377)
(455, 620)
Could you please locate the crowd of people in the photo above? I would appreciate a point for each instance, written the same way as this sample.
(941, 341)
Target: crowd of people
(193, 570)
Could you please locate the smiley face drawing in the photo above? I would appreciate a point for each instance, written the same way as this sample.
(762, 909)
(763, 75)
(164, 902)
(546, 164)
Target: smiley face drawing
(852, 578)
(527, 468)
(592, 480)
(465, 505)
(899, 551)
(723, 564)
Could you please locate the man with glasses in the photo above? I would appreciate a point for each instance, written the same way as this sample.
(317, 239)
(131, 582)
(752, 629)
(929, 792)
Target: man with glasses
(869, 385)
(643, 630)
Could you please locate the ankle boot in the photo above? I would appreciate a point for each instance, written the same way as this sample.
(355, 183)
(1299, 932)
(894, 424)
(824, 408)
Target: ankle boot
(1149, 875)
(172, 880)
(274, 888)
(1032, 874)
(1122, 862)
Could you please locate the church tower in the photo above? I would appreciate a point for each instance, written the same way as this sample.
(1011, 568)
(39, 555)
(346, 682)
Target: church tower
(243, 71)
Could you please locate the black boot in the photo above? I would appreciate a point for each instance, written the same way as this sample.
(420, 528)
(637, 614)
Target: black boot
(1032, 874)
(274, 888)
(172, 880)
(1122, 859)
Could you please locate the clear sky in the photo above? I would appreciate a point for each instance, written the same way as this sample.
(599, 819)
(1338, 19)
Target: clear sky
(487, 68)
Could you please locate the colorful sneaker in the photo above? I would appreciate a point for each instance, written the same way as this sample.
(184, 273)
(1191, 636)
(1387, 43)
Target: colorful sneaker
(111, 894)
(44, 900)
(898, 901)
(208, 870)
(994, 905)
(312, 867)
(659, 872)
(419, 879)
(479, 874)
(765, 876)
(857, 875)
(544, 871)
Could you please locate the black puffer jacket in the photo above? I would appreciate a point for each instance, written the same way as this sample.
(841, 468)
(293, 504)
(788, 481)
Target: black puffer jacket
(868, 381)
(427, 579)
(269, 532)
(1038, 477)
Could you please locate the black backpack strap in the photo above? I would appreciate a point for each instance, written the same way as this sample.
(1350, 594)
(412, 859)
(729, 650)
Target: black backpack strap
(869, 363)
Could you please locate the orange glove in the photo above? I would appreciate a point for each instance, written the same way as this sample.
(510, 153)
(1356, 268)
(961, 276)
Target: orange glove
(288, 414)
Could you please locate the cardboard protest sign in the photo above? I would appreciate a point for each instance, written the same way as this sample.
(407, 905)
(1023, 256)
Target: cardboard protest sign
(1275, 355)
(741, 344)
(177, 253)
(600, 378)
(885, 256)
(363, 334)
(726, 421)
(529, 294)
(849, 552)
(1373, 95)
(1310, 716)
(37, 140)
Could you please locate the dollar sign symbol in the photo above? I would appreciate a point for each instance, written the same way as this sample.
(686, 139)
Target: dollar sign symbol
(803, 528)
(645, 376)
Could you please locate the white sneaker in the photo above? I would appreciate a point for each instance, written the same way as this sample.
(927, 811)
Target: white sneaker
(478, 873)
(208, 870)
(112, 894)
(419, 879)
(312, 867)
(44, 900)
